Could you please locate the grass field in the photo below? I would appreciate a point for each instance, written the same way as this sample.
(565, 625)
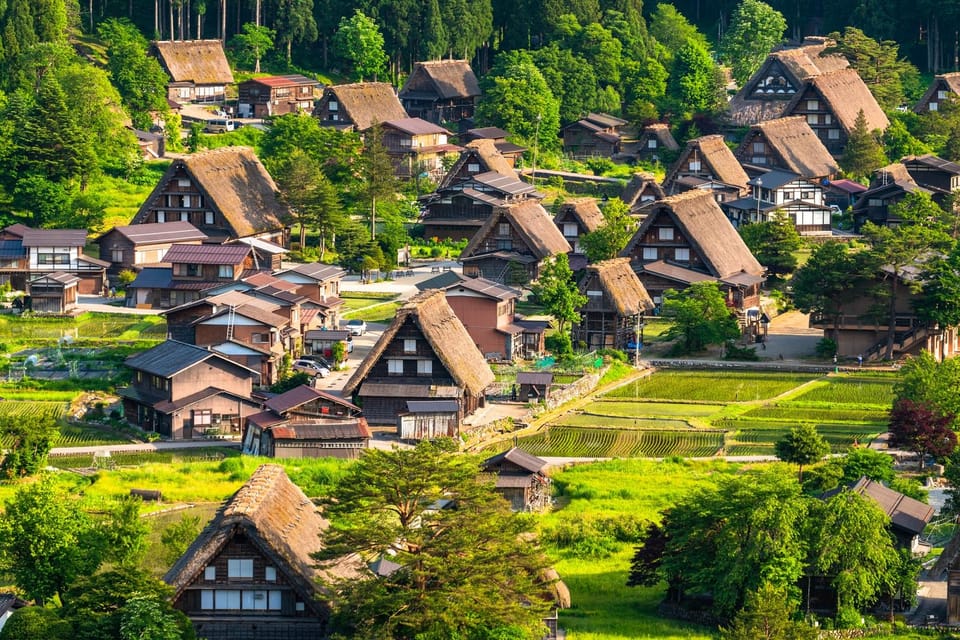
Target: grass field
(87, 326)
(372, 307)
(711, 386)
(566, 441)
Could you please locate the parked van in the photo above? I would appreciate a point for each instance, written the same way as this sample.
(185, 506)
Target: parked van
(220, 125)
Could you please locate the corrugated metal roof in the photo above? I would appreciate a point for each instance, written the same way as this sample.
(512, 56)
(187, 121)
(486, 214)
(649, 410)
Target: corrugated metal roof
(329, 429)
(11, 249)
(517, 456)
(58, 276)
(316, 270)
(159, 232)
(54, 237)
(535, 377)
(170, 357)
(153, 278)
(415, 126)
(326, 334)
(292, 80)
(228, 254)
(505, 184)
(433, 406)
(487, 288)
(301, 395)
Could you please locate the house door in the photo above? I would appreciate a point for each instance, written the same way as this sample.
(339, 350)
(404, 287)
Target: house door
(188, 429)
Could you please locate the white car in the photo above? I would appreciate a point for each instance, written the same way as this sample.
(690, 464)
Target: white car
(357, 327)
(311, 368)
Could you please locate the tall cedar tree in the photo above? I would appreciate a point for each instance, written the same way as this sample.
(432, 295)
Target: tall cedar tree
(295, 23)
(453, 537)
(863, 154)
(877, 63)
(921, 429)
(700, 317)
(612, 236)
(774, 242)
(310, 196)
(558, 292)
(828, 281)
(378, 167)
(755, 29)
(802, 446)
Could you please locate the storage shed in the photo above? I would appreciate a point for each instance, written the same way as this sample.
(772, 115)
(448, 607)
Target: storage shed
(520, 479)
(534, 385)
(427, 419)
(54, 293)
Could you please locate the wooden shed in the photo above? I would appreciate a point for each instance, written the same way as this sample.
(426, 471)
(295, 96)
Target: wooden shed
(54, 293)
(427, 419)
(520, 479)
(534, 385)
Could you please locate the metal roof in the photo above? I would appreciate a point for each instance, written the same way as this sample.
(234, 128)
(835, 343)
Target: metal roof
(171, 357)
(486, 287)
(153, 278)
(326, 334)
(301, 395)
(11, 249)
(54, 237)
(316, 270)
(538, 378)
(228, 254)
(415, 126)
(159, 232)
(432, 406)
(505, 184)
(519, 457)
(775, 179)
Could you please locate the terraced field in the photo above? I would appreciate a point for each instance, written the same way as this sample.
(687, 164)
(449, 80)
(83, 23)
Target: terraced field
(711, 386)
(620, 443)
(69, 435)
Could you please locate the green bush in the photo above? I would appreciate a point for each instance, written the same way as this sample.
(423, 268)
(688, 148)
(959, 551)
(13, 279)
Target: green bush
(559, 344)
(734, 352)
(826, 348)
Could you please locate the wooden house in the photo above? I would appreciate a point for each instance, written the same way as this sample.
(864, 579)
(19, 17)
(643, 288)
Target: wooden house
(686, 238)
(616, 304)
(830, 103)
(276, 95)
(784, 193)
(441, 91)
(499, 137)
(193, 270)
(709, 160)
(27, 253)
(425, 354)
(888, 186)
(252, 334)
(135, 246)
(944, 87)
(933, 173)
(459, 210)
(842, 193)
(321, 283)
(251, 570)
(655, 144)
(477, 156)
(321, 341)
(513, 243)
(768, 92)
(788, 144)
(598, 134)
(53, 293)
(307, 423)
(152, 145)
(182, 391)
(429, 419)
(226, 193)
(576, 218)
(642, 189)
(416, 146)
(198, 70)
(908, 516)
(534, 386)
(521, 479)
(358, 106)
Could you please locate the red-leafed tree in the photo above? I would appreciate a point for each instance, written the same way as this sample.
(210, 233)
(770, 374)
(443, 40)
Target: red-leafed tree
(920, 429)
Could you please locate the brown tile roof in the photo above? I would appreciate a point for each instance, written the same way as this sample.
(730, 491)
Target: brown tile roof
(532, 222)
(414, 126)
(517, 456)
(368, 102)
(253, 312)
(716, 159)
(583, 209)
(159, 232)
(223, 254)
(279, 521)
(452, 78)
(447, 337)
(846, 94)
(622, 286)
(196, 61)
(904, 512)
(301, 395)
(796, 146)
(54, 237)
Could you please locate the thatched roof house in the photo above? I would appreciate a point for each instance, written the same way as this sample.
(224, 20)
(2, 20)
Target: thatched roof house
(425, 353)
(642, 189)
(615, 299)
(226, 193)
(521, 476)
(576, 218)
(787, 143)
(512, 243)
(478, 156)
(706, 157)
(655, 143)
(441, 91)
(198, 69)
(359, 105)
(261, 541)
(943, 87)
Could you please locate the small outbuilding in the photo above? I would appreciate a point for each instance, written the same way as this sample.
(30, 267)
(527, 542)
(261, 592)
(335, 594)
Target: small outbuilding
(54, 293)
(428, 419)
(534, 385)
(520, 479)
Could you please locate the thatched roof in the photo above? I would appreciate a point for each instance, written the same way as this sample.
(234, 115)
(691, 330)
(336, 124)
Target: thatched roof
(531, 221)
(661, 132)
(716, 160)
(235, 184)
(795, 145)
(484, 152)
(846, 94)
(638, 183)
(583, 209)
(622, 286)
(279, 521)
(708, 230)
(450, 79)
(196, 61)
(366, 103)
(893, 172)
(445, 334)
(945, 81)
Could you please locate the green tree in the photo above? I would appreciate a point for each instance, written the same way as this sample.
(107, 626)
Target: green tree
(425, 506)
(139, 78)
(359, 41)
(252, 45)
(468, 24)
(300, 182)
(899, 142)
(27, 442)
(700, 317)
(36, 623)
(672, 31)
(612, 236)
(434, 43)
(694, 83)
(146, 618)
(774, 243)
(863, 154)
(337, 153)
(570, 77)
(828, 281)
(755, 30)
(124, 532)
(927, 382)
(295, 23)
(768, 615)
(877, 63)
(558, 293)
(939, 302)
(381, 181)
(602, 51)
(864, 461)
(46, 542)
(802, 446)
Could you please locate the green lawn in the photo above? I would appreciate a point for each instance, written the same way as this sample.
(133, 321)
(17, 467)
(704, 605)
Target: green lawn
(372, 307)
(711, 386)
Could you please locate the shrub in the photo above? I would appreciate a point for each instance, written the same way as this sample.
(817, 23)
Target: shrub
(613, 354)
(559, 344)
(826, 348)
(734, 352)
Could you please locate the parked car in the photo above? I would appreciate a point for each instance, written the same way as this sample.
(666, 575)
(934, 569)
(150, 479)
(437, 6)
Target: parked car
(320, 360)
(357, 327)
(220, 125)
(311, 368)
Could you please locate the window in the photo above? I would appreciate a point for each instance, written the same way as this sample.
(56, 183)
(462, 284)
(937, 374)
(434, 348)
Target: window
(570, 229)
(694, 165)
(759, 147)
(505, 245)
(157, 382)
(409, 345)
(665, 233)
(833, 134)
(875, 202)
(681, 255)
(253, 600)
(240, 568)
(185, 201)
(183, 182)
(203, 418)
(941, 95)
(333, 106)
(395, 367)
(183, 92)
(299, 606)
(184, 216)
(210, 573)
(806, 195)
(208, 217)
(206, 599)
(933, 106)
(813, 118)
(276, 600)
(813, 105)
(424, 367)
(647, 198)
(759, 159)
(53, 258)
(473, 167)
(650, 253)
(116, 255)
(270, 574)
(161, 216)
(591, 293)
(226, 598)
(827, 119)
(225, 271)
(787, 196)
(652, 143)
(503, 229)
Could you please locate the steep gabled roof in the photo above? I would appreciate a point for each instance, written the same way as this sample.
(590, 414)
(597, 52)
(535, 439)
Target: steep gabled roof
(795, 145)
(235, 183)
(485, 152)
(585, 210)
(368, 102)
(622, 286)
(196, 61)
(532, 222)
(950, 80)
(279, 521)
(159, 232)
(904, 512)
(519, 457)
(708, 230)
(639, 182)
(451, 78)
(445, 334)
(661, 132)
(934, 162)
(714, 153)
(171, 357)
(845, 94)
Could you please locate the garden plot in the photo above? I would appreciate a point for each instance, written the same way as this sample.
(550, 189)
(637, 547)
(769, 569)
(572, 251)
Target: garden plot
(711, 386)
(562, 441)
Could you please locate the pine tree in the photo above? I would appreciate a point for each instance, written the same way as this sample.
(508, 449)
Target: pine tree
(863, 153)
(378, 167)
